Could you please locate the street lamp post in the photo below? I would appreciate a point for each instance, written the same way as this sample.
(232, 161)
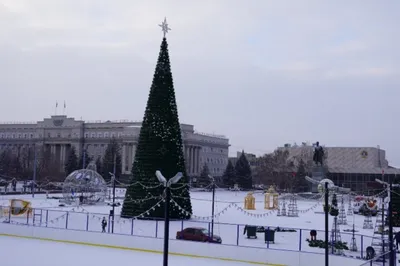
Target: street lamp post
(326, 210)
(113, 203)
(213, 204)
(34, 171)
(389, 188)
(167, 186)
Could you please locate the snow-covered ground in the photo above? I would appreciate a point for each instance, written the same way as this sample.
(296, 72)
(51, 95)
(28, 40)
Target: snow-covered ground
(229, 223)
(18, 251)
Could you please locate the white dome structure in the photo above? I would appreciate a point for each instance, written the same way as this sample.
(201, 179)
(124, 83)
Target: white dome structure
(321, 185)
(86, 186)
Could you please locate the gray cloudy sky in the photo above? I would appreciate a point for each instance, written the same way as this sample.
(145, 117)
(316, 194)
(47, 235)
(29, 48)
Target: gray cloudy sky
(262, 72)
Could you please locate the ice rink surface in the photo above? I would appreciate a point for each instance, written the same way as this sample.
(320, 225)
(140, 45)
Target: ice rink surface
(29, 252)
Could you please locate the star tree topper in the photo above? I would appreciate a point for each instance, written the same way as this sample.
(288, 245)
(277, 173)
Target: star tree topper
(164, 27)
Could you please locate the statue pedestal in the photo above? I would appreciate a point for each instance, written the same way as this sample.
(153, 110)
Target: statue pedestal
(317, 174)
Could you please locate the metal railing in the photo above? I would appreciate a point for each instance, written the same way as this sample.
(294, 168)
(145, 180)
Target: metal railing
(381, 259)
(78, 218)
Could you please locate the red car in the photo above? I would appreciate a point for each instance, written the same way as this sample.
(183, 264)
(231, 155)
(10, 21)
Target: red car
(198, 234)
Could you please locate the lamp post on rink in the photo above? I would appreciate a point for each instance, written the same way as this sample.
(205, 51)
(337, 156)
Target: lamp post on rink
(167, 186)
(213, 204)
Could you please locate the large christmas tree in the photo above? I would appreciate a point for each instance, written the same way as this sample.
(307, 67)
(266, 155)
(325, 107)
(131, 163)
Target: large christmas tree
(159, 148)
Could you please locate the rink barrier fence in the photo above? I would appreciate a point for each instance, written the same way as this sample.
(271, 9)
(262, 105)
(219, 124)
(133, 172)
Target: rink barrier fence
(250, 255)
(54, 218)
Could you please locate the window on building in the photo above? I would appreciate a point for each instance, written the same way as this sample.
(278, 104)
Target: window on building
(99, 135)
(19, 136)
(113, 135)
(31, 136)
(106, 134)
(25, 136)
(58, 135)
(13, 136)
(119, 134)
(48, 135)
(2, 135)
(87, 135)
(93, 135)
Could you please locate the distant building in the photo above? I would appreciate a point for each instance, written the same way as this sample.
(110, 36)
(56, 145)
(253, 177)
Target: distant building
(351, 167)
(59, 133)
(251, 158)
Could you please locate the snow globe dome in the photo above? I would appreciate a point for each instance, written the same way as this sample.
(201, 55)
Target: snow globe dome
(85, 186)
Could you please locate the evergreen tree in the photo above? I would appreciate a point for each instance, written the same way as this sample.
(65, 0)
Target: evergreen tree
(334, 211)
(107, 167)
(99, 165)
(159, 148)
(87, 158)
(204, 179)
(72, 162)
(300, 184)
(396, 203)
(229, 177)
(6, 158)
(243, 172)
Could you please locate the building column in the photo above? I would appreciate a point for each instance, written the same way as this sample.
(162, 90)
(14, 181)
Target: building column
(196, 157)
(198, 160)
(191, 160)
(130, 159)
(123, 162)
(186, 155)
(60, 160)
(61, 154)
(53, 149)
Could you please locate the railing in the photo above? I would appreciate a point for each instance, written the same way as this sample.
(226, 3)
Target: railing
(382, 260)
(78, 218)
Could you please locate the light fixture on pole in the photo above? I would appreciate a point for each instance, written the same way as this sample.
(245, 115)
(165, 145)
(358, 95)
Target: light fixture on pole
(213, 204)
(167, 185)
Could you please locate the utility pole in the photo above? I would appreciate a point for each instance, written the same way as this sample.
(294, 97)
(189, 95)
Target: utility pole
(213, 204)
(326, 209)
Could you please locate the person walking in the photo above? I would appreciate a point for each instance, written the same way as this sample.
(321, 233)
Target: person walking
(397, 238)
(103, 225)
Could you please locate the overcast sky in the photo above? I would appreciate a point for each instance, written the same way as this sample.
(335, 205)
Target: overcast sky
(261, 72)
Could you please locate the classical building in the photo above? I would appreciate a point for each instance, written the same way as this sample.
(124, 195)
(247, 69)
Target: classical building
(351, 167)
(59, 133)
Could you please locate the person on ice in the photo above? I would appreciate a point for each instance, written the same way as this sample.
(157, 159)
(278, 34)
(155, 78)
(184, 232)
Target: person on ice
(103, 225)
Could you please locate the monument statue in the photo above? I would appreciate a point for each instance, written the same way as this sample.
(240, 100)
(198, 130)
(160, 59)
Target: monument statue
(318, 157)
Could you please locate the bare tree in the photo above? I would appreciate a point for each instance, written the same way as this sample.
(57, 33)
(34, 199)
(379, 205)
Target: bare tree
(276, 169)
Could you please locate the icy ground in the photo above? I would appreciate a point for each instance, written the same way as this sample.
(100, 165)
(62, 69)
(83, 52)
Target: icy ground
(19, 251)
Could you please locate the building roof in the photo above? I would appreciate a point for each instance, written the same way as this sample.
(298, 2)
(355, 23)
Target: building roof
(375, 170)
(363, 160)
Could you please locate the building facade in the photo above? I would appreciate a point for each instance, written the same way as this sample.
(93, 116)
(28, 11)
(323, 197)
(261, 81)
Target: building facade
(59, 133)
(351, 167)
